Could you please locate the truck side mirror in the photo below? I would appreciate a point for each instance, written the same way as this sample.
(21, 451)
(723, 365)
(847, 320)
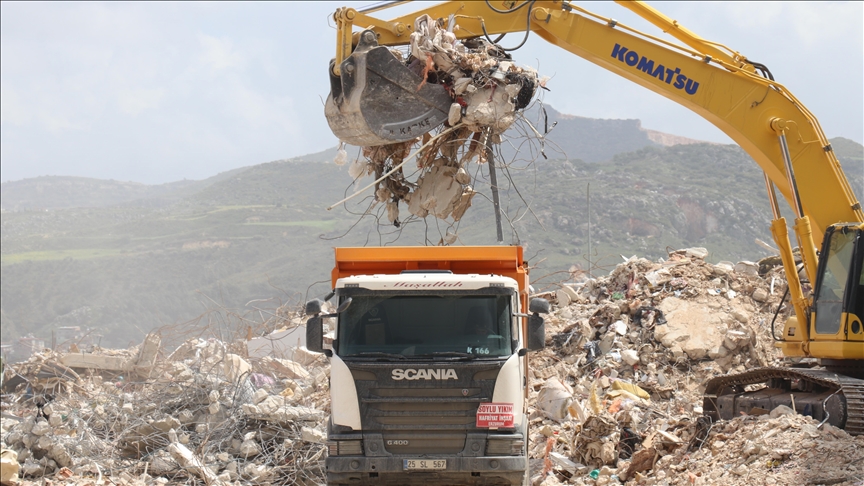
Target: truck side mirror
(536, 332)
(313, 307)
(315, 334)
(539, 305)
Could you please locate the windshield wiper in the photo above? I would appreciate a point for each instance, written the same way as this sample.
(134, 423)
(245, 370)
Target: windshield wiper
(452, 354)
(375, 354)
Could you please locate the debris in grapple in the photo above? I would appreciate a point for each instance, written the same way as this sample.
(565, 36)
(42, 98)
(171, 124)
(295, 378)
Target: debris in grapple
(393, 104)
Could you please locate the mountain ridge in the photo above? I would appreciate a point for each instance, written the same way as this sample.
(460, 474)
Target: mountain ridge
(263, 232)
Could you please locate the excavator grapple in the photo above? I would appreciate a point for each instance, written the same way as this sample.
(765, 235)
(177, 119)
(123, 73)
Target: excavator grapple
(378, 100)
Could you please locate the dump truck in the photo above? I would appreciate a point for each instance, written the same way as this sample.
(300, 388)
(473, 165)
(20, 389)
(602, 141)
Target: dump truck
(428, 364)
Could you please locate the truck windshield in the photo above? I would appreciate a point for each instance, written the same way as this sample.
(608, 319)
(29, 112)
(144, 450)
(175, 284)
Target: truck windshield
(439, 326)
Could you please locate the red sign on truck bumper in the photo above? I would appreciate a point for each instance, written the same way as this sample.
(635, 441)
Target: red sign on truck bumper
(494, 415)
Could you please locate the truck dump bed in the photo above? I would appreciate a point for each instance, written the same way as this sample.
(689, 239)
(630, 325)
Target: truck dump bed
(499, 260)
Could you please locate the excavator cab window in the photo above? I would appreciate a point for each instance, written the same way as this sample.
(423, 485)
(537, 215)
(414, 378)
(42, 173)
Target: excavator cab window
(856, 305)
(837, 266)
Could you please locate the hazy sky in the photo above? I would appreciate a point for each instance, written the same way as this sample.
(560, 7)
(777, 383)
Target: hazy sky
(156, 92)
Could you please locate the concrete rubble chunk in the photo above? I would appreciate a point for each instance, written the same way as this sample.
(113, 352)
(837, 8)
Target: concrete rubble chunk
(287, 368)
(305, 357)
(257, 474)
(779, 411)
(271, 404)
(696, 252)
(313, 435)
(630, 356)
(740, 316)
(658, 277)
(9, 466)
(185, 416)
(166, 423)
(60, 455)
(249, 449)
(41, 427)
(747, 268)
(97, 362)
(563, 298)
(189, 461)
(691, 326)
(281, 343)
(437, 193)
(563, 462)
(44, 443)
(235, 367)
(147, 355)
(259, 396)
(735, 339)
(572, 293)
(760, 295)
(32, 469)
(723, 268)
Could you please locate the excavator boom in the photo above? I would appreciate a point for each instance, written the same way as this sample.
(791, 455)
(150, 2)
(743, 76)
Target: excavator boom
(720, 86)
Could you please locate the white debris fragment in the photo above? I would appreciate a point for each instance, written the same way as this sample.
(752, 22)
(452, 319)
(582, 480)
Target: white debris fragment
(357, 169)
(313, 435)
(554, 398)
(341, 157)
(189, 461)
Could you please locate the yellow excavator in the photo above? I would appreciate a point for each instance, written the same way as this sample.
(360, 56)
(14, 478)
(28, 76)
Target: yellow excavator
(376, 99)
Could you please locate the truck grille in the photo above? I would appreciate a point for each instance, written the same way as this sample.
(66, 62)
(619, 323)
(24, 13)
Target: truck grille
(424, 416)
(396, 408)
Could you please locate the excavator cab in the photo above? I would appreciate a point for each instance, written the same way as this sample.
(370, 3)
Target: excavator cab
(378, 100)
(837, 330)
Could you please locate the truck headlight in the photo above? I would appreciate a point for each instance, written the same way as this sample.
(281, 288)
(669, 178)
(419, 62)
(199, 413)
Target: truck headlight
(504, 447)
(345, 447)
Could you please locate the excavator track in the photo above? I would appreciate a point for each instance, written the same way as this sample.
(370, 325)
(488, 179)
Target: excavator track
(823, 394)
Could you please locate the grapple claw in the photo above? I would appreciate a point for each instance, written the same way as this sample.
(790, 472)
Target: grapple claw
(377, 100)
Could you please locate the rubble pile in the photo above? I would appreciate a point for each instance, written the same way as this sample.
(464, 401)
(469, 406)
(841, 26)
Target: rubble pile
(617, 393)
(488, 91)
(615, 398)
(779, 448)
(203, 412)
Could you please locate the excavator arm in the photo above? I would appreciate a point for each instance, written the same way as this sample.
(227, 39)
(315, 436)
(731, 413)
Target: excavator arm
(717, 83)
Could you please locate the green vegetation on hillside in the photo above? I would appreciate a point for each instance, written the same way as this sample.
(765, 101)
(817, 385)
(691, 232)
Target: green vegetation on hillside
(264, 233)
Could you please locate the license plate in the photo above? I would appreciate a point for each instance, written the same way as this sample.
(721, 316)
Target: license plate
(424, 464)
